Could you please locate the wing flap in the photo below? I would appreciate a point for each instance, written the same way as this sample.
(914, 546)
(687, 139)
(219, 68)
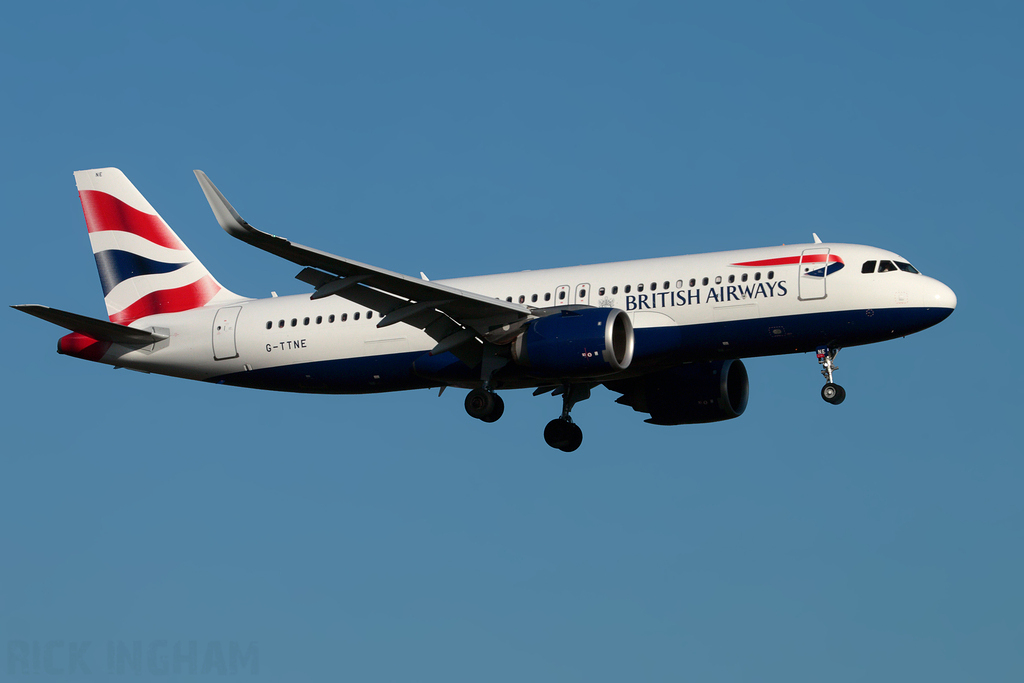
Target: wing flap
(425, 316)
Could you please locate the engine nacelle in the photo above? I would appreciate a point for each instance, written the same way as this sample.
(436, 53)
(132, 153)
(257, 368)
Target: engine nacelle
(586, 342)
(688, 394)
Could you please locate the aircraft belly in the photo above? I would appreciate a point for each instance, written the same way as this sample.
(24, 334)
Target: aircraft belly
(777, 335)
(355, 375)
(313, 360)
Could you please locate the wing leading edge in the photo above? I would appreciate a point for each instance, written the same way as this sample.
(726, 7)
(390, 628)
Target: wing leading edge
(453, 317)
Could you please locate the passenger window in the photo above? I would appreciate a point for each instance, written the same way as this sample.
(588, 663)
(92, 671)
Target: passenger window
(508, 299)
(679, 284)
(522, 299)
(732, 278)
(330, 318)
(718, 279)
(906, 267)
(547, 296)
(615, 289)
(270, 325)
(319, 319)
(640, 287)
(344, 317)
(305, 321)
(666, 284)
(693, 282)
(369, 314)
(654, 286)
(886, 266)
(626, 290)
(757, 275)
(583, 293)
(294, 322)
(704, 281)
(743, 278)
(280, 323)
(355, 316)
(771, 274)
(868, 267)
(561, 295)
(533, 298)
(600, 292)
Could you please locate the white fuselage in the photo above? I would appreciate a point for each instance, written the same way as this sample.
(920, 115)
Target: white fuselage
(683, 308)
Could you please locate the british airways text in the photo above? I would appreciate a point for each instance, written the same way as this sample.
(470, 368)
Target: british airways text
(717, 295)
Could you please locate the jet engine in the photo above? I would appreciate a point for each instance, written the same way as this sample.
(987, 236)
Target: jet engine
(587, 342)
(688, 394)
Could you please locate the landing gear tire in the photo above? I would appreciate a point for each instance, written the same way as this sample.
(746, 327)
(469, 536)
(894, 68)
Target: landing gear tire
(833, 393)
(563, 434)
(484, 405)
(497, 411)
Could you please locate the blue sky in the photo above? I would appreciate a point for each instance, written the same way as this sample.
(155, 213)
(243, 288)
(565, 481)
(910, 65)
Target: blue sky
(392, 537)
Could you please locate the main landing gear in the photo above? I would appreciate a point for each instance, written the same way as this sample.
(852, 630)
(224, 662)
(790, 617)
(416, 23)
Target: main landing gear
(484, 404)
(831, 392)
(562, 433)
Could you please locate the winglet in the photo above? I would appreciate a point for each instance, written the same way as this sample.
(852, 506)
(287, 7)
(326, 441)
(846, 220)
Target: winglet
(233, 224)
(817, 240)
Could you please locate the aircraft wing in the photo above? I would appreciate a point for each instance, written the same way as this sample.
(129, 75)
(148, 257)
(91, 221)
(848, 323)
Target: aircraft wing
(452, 317)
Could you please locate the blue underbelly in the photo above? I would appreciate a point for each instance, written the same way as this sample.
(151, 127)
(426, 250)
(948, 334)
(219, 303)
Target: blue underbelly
(655, 347)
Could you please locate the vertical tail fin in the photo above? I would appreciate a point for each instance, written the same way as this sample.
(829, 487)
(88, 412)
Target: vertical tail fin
(144, 267)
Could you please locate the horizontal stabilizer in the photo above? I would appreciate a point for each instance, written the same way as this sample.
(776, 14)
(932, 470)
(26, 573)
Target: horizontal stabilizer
(100, 330)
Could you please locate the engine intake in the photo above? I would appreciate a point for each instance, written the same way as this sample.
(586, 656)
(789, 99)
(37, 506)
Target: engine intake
(588, 342)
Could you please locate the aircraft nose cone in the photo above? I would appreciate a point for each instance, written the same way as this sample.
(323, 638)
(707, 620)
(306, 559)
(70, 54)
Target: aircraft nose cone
(941, 300)
(944, 297)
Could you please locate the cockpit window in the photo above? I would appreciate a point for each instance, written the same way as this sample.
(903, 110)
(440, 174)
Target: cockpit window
(886, 266)
(868, 267)
(906, 267)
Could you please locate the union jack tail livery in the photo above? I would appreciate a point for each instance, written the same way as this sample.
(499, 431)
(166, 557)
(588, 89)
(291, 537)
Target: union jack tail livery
(144, 267)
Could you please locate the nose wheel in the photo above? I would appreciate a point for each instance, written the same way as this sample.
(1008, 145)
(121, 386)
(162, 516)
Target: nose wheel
(831, 392)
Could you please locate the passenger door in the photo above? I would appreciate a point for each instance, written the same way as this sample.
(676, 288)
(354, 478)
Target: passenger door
(813, 270)
(224, 333)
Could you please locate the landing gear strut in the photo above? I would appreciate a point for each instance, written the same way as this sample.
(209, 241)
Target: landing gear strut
(831, 392)
(484, 404)
(562, 433)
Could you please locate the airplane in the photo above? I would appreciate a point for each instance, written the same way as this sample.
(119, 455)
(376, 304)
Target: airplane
(668, 334)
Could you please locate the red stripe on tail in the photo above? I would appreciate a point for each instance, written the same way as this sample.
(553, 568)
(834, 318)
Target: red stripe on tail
(184, 298)
(80, 346)
(106, 212)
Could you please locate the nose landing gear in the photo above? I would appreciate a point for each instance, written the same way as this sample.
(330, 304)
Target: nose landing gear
(831, 392)
(562, 433)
